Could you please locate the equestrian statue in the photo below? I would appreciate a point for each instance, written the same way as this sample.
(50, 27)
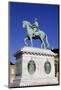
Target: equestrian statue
(33, 32)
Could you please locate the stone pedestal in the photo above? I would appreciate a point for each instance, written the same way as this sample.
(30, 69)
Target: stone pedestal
(36, 66)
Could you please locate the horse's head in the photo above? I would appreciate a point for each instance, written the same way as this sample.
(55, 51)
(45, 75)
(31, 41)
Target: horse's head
(25, 23)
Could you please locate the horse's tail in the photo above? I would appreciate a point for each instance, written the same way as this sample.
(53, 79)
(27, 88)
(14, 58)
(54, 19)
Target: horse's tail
(47, 43)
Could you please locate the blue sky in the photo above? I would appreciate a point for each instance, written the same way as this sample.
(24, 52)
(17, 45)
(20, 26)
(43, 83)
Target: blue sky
(47, 16)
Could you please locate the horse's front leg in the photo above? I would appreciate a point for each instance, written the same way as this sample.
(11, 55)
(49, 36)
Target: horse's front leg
(25, 41)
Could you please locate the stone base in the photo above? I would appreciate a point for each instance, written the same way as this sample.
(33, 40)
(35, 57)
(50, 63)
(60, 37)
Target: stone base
(39, 81)
(39, 77)
(44, 81)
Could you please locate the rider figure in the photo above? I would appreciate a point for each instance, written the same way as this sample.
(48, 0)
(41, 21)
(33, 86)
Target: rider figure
(35, 25)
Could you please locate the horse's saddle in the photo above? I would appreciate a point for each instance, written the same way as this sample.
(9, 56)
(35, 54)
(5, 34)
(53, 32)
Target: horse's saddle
(35, 33)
